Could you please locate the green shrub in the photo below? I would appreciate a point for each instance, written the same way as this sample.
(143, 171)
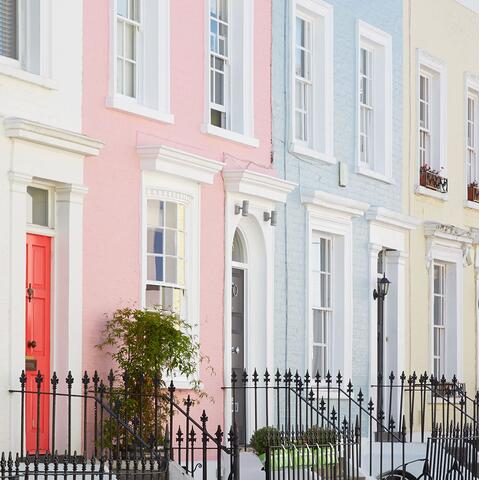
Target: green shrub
(263, 437)
(316, 435)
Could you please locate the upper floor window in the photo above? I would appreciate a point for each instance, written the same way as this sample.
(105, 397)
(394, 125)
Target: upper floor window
(312, 80)
(128, 27)
(472, 145)
(230, 70)
(219, 62)
(303, 79)
(8, 29)
(165, 283)
(23, 24)
(374, 71)
(140, 65)
(366, 106)
(431, 124)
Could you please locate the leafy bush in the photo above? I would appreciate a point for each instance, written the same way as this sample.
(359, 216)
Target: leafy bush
(148, 347)
(316, 435)
(263, 437)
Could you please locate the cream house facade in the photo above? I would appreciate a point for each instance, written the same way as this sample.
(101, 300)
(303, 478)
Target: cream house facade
(440, 171)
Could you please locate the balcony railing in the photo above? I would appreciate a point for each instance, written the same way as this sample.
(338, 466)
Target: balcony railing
(433, 180)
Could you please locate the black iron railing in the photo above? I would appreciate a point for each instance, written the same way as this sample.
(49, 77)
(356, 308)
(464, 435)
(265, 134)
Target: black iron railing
(124, 421)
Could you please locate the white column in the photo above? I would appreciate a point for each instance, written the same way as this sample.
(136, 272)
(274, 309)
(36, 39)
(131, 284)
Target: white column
(373, 251)
(16, 338)
(68, 300)
(395, 321)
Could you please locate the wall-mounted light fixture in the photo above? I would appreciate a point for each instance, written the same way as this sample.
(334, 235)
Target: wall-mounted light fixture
(243, 208)
(272, 217)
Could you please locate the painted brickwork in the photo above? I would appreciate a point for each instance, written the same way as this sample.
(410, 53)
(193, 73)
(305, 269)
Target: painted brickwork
(290, 313)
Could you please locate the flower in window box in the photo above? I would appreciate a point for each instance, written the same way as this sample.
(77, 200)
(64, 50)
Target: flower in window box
(472, 191)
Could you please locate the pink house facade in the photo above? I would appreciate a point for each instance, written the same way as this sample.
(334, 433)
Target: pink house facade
(184, 174)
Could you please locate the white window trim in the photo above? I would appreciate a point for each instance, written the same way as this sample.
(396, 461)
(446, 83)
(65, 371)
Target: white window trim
(438, 67)
(247, 137)
(369, 33)
(156, 186)
(318, 10)
(332, 215)
(471, 85)
(16, 68)
(124, 103)
(447, 244)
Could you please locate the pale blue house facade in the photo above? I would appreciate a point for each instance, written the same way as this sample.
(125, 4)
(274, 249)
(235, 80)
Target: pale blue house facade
(337, 133)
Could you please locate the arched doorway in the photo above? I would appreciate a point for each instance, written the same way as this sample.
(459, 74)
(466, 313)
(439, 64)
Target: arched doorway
(238, 324)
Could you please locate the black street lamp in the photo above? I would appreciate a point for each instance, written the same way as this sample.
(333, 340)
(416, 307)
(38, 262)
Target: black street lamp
(379, 294)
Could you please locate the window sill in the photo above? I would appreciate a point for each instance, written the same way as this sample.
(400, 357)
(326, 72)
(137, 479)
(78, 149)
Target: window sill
(229, 135)
(13, 70)
(470, 204)
(419, 190)
(125, 104)
(372, 174)
(304, 151)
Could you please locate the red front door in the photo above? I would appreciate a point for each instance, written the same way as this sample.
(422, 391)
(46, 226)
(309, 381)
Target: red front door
(37, 341)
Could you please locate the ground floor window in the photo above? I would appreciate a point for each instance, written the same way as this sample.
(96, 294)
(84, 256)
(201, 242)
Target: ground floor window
(439, 313)
(165, 285)
(322, 306)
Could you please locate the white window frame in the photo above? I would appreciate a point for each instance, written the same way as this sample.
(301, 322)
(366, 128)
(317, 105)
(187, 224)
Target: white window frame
(327, 310)
(379, 43)
(471, 90)
(319, 145)
(332, 215)
(164, 283)
(439, 328)
(34, 53)
(436, 71)
(444, 249)
(239, 107)
(156, 105)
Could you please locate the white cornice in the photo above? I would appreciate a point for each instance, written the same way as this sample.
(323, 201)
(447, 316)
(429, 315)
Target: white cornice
(449, 233)
(22, 129)
(334, 203)
(390, 218)
(159, 158)
(257, 185)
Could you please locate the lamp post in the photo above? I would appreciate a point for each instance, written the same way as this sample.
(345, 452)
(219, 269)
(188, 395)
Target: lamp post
(379, 295)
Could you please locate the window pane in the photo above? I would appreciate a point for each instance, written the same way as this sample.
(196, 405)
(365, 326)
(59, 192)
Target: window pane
(119, 75)
(437, 279)
(130, 32)
(219, 91)
(8, 28)
(152, 296)
(438, 310)
(129, 79)
(170, 242)
(316, 289)
(181, 244)
(155, 210)
(122, 8)
(155, 239)
(155, 268)
(319, 326)
(170, 270)
(120, 38)
(171, 217)
(223, 10)
(37, 206)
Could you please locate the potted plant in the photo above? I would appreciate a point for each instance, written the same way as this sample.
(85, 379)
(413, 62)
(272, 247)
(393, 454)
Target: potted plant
(472, 191)
(148, 347)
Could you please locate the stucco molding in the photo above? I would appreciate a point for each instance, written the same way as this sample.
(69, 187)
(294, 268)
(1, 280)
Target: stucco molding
(22, 129)
(390, 218)
(160, 158)
(162, 194)
(345, 207)
(258, 185)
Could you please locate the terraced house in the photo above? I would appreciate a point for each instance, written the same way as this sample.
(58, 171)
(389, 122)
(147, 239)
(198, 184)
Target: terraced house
(240, 239)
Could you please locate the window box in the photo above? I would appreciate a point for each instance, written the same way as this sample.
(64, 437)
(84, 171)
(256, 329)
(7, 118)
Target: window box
(472, 192)
(433, 180)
